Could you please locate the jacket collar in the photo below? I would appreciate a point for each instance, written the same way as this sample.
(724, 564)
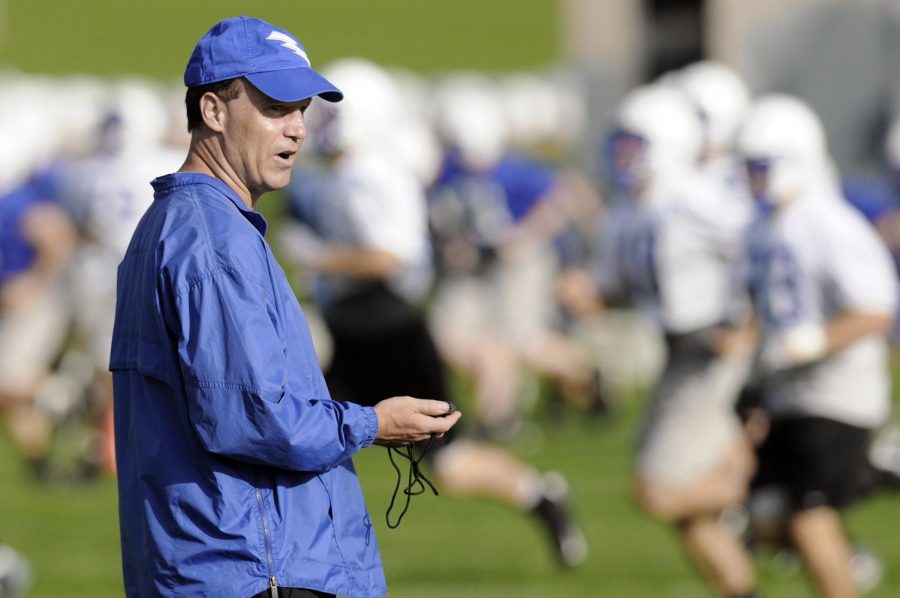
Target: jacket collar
(167, 183)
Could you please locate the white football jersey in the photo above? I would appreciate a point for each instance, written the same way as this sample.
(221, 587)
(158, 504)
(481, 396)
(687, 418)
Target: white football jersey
(108, 194)
(699, 246)
(374, 202)
(674, 253)
(811, 260)
(624, 253)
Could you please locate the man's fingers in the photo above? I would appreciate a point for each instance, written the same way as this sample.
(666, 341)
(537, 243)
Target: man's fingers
(410, 419)
(453, 418)
(435, 408)
(443, 424)
(428, 406)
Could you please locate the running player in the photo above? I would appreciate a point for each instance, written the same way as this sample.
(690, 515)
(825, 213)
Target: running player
(370, 256)
(494, 216)
(107, 192)
(825, 291)
(669, 245)
(36, 241)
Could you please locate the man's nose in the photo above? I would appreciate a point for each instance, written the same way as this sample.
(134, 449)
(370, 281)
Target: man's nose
(296, 126)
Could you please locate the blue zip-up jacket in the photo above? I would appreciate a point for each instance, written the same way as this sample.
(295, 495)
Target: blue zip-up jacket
(234, 464)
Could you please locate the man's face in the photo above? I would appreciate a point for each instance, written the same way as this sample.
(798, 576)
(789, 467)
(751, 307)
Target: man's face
(261, 138)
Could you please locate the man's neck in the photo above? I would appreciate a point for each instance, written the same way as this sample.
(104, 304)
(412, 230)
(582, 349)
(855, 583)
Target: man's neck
(205, 157)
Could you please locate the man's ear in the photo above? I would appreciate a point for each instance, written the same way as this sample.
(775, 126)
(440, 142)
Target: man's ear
(212, 109)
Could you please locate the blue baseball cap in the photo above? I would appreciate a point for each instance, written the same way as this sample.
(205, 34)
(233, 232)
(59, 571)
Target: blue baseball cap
(268, 57)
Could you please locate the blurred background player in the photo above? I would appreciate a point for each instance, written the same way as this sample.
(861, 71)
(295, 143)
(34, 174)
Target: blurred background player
(669, 245)
(545, 116)
(494, 216)
(825, 291)
(36, 242)
(877, 195)
(107, 192)
(359, 225)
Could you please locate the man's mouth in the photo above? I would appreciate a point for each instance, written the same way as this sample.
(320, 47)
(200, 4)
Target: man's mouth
(286, 156)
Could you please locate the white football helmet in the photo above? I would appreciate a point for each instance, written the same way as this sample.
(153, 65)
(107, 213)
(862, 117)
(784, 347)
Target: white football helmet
(139, 107)
(29, 127)
(782, 142)
(721, 98)
(531, 106)
(372, 105)
(544, 111)
(416, 90)
(469, 117)
(79, 110)
(417, 147)
(656, 132)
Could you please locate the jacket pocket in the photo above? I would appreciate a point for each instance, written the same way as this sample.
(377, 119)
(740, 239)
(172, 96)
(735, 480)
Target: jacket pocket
(350, 521)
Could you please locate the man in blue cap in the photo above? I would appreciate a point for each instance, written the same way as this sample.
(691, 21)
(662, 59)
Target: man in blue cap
(235, 471)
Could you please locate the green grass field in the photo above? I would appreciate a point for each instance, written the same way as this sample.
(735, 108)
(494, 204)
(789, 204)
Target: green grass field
(155, 37)
(445, 546)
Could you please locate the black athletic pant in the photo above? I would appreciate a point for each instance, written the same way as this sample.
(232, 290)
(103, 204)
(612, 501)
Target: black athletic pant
(383, 348)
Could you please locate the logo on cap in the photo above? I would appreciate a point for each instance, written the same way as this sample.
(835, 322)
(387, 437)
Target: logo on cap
(288, 42)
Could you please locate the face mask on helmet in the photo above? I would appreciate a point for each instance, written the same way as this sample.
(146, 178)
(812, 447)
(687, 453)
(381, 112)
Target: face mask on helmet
(656, 133)
(759, 176)
(325, 129)
(775, 180)
(782, 144)
(625, 160)
(111, 135)
(706, 129)
(721, 98)
(892, 151)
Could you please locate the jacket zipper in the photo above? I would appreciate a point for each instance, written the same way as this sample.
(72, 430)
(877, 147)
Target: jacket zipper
(273, 584)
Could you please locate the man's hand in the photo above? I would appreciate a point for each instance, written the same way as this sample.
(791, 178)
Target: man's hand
(403, 420)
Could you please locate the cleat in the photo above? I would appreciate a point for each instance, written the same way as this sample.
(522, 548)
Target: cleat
(15, 573)
(867, 567)
(599, 403)
(555, 513)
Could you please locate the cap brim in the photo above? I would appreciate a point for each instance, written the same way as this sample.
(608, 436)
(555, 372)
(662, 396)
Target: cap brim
(294, 85)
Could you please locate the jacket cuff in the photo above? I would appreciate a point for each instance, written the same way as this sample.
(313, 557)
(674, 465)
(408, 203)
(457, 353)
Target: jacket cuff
(371, 419)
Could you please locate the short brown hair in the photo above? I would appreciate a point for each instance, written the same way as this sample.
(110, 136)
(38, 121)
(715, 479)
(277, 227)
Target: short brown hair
(227, 90)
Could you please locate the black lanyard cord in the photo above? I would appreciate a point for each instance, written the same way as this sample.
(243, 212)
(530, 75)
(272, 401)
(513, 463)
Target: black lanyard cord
(416, 480)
